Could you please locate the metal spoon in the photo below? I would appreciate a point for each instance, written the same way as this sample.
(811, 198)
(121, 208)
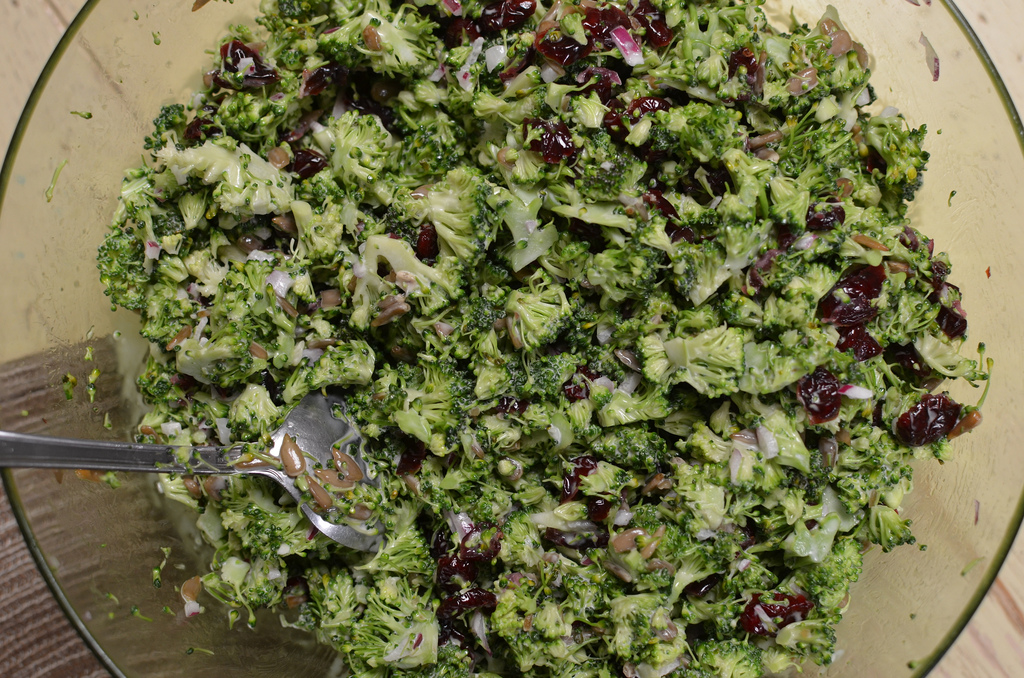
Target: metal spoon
(311, 425)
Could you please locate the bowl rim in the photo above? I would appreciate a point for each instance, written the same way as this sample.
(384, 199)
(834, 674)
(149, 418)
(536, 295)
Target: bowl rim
(921, 667)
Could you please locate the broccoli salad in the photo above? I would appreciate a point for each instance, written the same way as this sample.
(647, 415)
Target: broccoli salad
(622, 296)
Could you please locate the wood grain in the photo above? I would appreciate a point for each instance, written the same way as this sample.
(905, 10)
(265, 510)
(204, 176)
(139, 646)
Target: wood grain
(38, 640)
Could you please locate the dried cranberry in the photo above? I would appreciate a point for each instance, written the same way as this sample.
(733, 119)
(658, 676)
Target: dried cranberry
(849, 302)
(613, 123)
(460, 30)
(308, 162)
(575, 389)
(784, 236)
(258, 75)
(453, 573)
(506, 15)
(753, 66)
(908, 358)
(909, 239)
(517, 67)
(825, 216)
(507, 404)
(874, 161)
(928, 421)
(601, 81)
(563, 50)
(273, 386)
(316, 81)
(582, 466)
(555, 143)
(749, 536)
(600, 22)
(578, 541)
(717, 178)
(412, 458)
(951, 322)
(789, 610)
(426, 242)
(590, 234)
(856, 338)
(699, 589)
(939, 270)
(464, 601)
(447, 633)
(641, 106)
(440, 544)
(818, 392)
(201, 127)
(599, 508)
(483, 542)
(657, 32)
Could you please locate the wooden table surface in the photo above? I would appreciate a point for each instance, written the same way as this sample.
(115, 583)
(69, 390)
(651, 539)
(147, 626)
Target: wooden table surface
(35, 638)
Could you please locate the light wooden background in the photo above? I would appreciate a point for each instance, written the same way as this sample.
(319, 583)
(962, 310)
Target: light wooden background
(36, 640)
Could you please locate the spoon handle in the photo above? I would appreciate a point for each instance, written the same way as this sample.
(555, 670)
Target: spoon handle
(21, 450)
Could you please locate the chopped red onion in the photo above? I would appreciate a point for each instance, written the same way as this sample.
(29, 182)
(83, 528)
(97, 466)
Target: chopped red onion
(550, 72)
(273, 573)
(463, 77)
(630, 383)
(743, 565)
(453, 6)
(622, 517)
(359, 269)
(398, 652)
(735, 462)
(479, 626)
(259, 255)
(170, 428)
(645, 670)
(805, 241)
(767, 442)
(604, 333)
(864, 98)
(556, 434)
(191, 608)
(855, 392)
(530, 225)
(495, 56)
(152, 250)
(223, 432)
(704, 534)
(340, 106)
(605, 382)
(245, 66)
(437, 74)
(459, 522)
(313, 354)
(280, 281)
(631, 52)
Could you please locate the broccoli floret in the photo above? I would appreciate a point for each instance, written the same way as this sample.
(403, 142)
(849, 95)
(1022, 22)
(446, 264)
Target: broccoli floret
(452, 662)
(253, 414)
(123, 270)
(244, 183)
(333, 605)
(634, 447)
(605, 171)
(171, 119)
(729, 658)
(900, 148)
(397, 628)
(886, 528)
(625, 273)
(702, 133)
(537, 313)
(347, 364)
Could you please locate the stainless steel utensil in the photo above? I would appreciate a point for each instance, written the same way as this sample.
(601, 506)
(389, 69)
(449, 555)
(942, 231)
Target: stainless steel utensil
(312, 425)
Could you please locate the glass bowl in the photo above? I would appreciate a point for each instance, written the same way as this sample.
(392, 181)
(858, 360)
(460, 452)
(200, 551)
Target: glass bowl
(120, 60)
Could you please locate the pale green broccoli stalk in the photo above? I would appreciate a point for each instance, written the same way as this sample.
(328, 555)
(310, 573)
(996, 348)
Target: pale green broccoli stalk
(398, 627)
